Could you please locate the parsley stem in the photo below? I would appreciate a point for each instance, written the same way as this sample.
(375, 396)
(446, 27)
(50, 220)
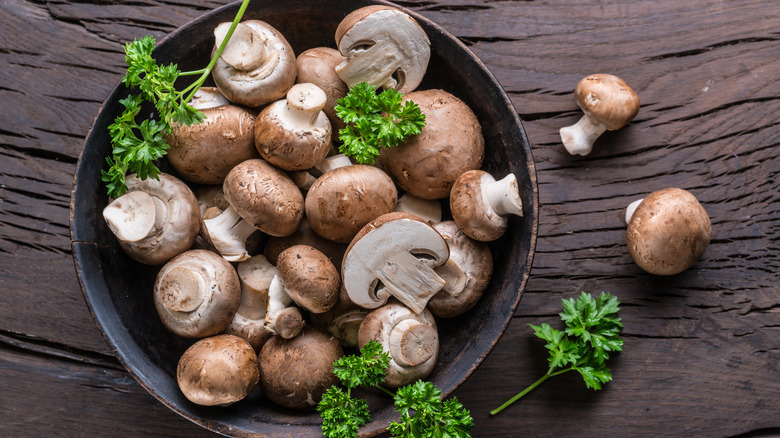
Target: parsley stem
(517, 397)
(387, 391)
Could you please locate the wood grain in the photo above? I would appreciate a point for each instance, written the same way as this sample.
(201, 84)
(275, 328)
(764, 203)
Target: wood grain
(702, 348)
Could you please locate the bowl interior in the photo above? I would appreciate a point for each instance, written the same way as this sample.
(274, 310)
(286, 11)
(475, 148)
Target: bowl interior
(118, 289)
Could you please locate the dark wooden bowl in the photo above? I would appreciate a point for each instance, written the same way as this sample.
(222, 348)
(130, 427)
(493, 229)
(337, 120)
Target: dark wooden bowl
(118, 289)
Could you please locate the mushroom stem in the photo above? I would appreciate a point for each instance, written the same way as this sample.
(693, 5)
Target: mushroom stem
(229, 233)
(246, 49)
(405, 273)
(412, 342)
(132, 216)
(278, 319)
(332, 162)
(504, 197)
(631, 208)
(187, 294)
(578, 138)
(304, 103)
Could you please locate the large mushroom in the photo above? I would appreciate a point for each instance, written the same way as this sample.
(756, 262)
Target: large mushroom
(410, 338)
(318, 66)
(383, 46)
(294, 133)
(480, 205)
(218, 371)
(345, 199)
(155, 220)
(608, 103)
(197, 294)
(394, 255)
(427, 165)
(668, 232)
(257, 65)
(295, 372)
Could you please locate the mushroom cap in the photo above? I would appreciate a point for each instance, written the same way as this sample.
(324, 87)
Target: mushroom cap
(285, 142)
(474, 259)
(427, 165)
(205, 153)
(218, 371)
(345, 199)
(607, 100)
(177, 219)
(383, 46)
(318, 66)
(294, 373)
(265, 197)
(304, 235)
(197, 294)
(411, 340)
(668, 232)
(267, 82)
(471, 209)
(309, 278)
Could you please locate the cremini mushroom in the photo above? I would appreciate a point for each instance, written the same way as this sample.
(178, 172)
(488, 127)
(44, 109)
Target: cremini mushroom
(218, 371)
(295, 372)
(155, 220)
(197, 293)
(608, 103)
(282, 317)
(309, 278)
(318, 66)
(344, 199)
(427, 165)
(257, 66)
(383, 46)
(410, 338)
(668, 232)
(474, 260)
(480, 205)
(394, 255)
(255, 275)
(294, 133)
(204, 153)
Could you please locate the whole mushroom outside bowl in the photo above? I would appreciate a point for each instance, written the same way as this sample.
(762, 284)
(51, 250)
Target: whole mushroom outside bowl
(118, 289)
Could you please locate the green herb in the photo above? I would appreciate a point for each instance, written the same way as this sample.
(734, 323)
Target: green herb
(423, 413)
(375, 120)
(136, 147)
(591, 334)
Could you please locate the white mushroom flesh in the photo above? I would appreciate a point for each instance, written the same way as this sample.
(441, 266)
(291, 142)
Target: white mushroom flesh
(428, 210)
(228, 233)
(208, 97)
(631, 209)
(578, 138)
(246, 51)
(278, 301)
(132, 216)
(503, 196)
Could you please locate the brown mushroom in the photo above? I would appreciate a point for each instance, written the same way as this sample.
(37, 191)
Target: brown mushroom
(304, 235)
(197, 293)
(318, 66)
(294, 133)
(427, 165)
(295, 372)
(309, 277)
(668, 232)
(410, 338)
(480, 205)
(218, 371)
(608, 103)
(383, 46)
(155, 220)
(343, 200)
(257, 65)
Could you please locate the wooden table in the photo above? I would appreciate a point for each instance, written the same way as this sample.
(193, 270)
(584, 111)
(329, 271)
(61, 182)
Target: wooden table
(702, 348)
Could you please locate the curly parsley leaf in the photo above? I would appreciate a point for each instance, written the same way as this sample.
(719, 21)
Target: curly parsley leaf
(367, 369)
(424, 414)
(375, 120)
(592, 333)
(341, 414)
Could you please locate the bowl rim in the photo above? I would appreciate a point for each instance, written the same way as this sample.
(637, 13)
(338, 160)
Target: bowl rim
(129, 353)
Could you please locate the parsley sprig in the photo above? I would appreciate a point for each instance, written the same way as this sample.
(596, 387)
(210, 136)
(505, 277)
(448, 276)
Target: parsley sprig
(592, 333)
(423, 413)
(136, 146)
(375, 120)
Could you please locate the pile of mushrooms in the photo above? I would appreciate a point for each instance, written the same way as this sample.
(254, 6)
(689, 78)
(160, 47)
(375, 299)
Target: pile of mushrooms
(347, 252)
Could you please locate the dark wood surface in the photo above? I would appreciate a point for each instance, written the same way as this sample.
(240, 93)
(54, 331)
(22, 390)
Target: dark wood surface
(702, 348)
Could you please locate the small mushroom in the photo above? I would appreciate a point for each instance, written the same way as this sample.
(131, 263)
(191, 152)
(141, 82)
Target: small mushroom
(309, 277)
(218, 371)
(480, 204)
(294, 133)
(427, 165)
(257, 65)
(197, 293)
(318, 66)
(205, 153)
(255, 275)
(282, 318)
(608, 103)
(155, 220)
(295, 372)
(383, 46)
(668, 232)
(394, 255)
(345, 199)
(474, 260)
(410, 338)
